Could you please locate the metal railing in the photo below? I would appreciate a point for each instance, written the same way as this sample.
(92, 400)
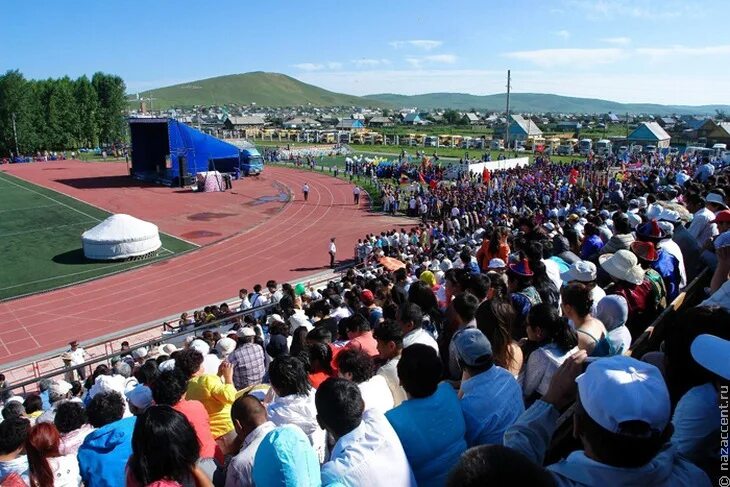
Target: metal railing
(180, 335)
(110, 353)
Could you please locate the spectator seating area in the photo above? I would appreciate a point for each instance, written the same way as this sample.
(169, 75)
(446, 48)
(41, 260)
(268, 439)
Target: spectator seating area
(543, 326)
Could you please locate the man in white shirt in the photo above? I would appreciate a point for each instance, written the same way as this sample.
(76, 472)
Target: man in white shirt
(305, 191)
(410, 319)
(367, 450)
(356, 195)
(702, 227)
(332, 252)
(245, 303)
(78, 357)
(389, 336)
(249, 419)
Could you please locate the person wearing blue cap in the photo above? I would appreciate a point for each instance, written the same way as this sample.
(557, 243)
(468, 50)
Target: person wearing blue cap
(491, 398)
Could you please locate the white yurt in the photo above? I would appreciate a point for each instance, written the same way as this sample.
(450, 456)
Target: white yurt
(120, 237)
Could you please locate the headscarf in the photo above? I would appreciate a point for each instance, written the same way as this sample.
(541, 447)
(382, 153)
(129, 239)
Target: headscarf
(613, 311)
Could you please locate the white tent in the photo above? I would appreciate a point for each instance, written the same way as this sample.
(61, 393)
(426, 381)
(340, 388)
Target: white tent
(119, 237)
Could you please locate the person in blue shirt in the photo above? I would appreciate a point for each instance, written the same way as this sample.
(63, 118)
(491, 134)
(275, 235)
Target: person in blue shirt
(429, 424)
(491, 398)
(103, 455)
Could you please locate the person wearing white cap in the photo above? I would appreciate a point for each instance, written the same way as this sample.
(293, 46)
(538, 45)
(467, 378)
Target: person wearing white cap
(621, 419)
(211, 362)
(586, 272)
(59, 391)
(697, 417)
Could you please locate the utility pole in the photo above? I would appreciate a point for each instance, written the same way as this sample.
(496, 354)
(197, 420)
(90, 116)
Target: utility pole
(506, 132)
(15, 134)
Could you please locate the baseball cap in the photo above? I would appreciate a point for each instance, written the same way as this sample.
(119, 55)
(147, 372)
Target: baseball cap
(140, 352)
(140, 397)
(618, 389)
(715, 198)
(200, 346)
(472, 346)
(167, 365)
(225, 346)
(722, 216)
(59, 387)
(367, 296)
(496, 263)
(274, 318)
(668, 215)
(582, 271)
(722, 240)
(711, 352)
(246, 332)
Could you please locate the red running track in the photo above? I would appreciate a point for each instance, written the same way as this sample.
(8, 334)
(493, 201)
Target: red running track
(286, 246)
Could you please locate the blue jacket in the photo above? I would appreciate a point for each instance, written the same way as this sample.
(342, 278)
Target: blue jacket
(103, 455)
(431, 431)
(668, 267)
(531, 436)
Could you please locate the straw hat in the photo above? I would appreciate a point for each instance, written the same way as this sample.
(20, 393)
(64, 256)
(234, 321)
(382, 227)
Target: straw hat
(622, 265)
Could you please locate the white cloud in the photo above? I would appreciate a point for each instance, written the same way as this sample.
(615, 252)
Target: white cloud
(547, 58)
(309, 66)
(318, 66)
(563, 34)
(369, 62)
(419, 61)
(425, 44)
(617, 41)
(657, 53)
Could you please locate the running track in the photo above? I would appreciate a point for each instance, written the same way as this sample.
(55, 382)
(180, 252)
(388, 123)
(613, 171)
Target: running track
(287, 246)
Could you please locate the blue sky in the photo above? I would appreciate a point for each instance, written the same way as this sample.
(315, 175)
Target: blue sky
(663, 51)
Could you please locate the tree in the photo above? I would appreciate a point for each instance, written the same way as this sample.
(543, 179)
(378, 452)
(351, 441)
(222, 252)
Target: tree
(452, 117)
(87, 110)
(62, 116)
(14, 96)
(110, 91)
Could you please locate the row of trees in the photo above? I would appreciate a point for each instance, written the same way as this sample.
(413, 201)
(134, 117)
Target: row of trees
(60, 114)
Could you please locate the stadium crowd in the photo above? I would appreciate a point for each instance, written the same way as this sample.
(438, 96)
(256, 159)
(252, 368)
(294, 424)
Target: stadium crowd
(445, 358)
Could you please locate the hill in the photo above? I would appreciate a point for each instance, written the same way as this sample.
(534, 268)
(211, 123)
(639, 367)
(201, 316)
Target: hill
(537, 103)
(265, 89)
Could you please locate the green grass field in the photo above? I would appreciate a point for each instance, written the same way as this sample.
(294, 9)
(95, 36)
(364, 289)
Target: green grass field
(394, 150)
(40, 240)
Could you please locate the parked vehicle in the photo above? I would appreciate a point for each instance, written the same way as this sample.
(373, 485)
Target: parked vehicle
(604, 147)
(585, 146)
